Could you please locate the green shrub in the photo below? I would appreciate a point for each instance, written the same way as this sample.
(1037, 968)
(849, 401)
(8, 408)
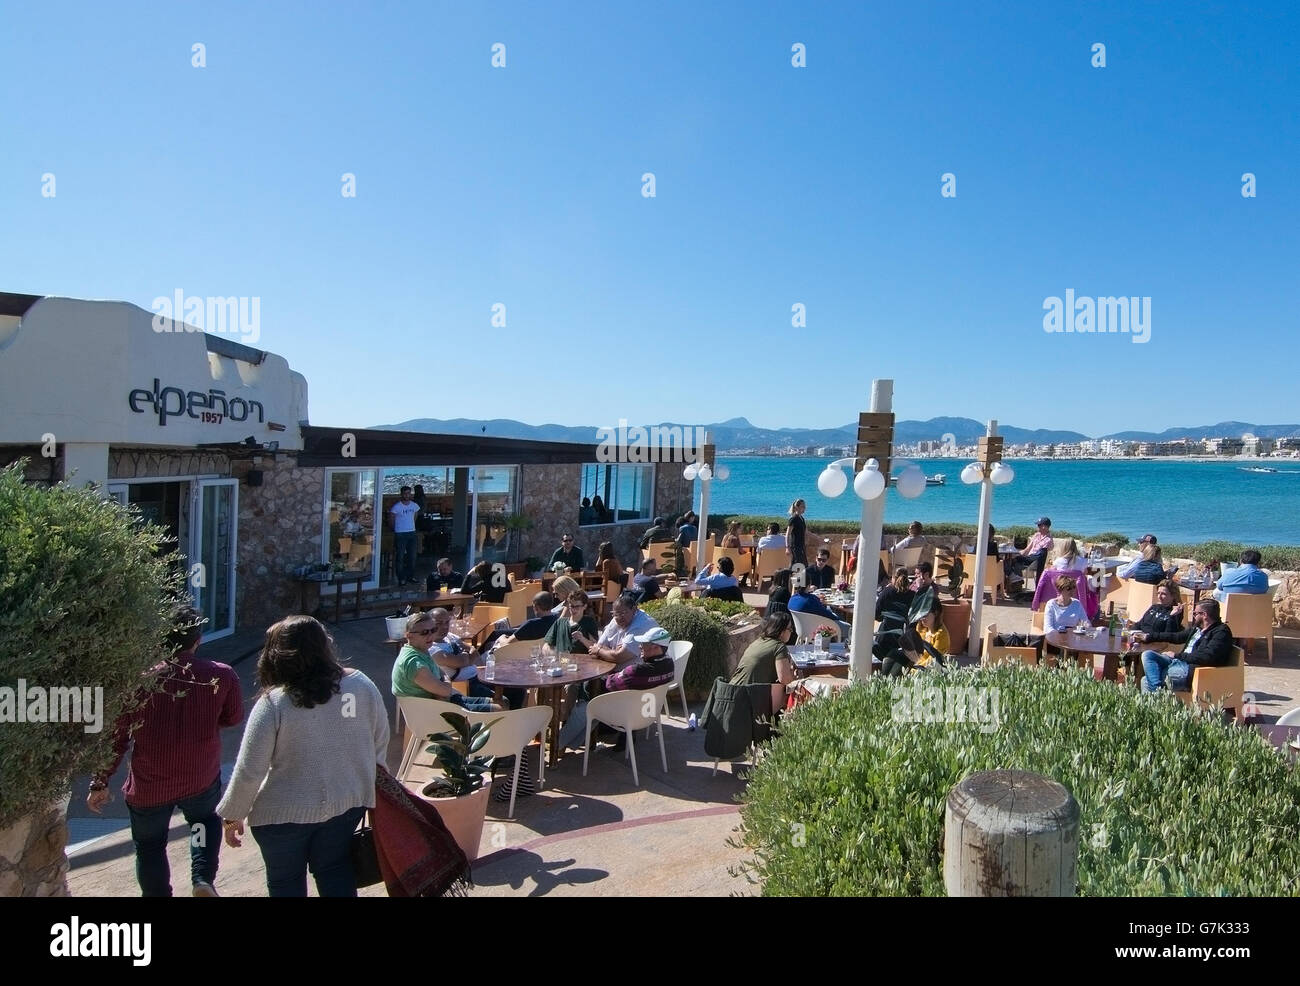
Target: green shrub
(1275, 557)
(722, 608)
(705, 631)
(85, 602)
(1170, 802)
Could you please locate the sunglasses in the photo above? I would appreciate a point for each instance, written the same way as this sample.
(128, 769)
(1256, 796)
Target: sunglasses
(424, 633)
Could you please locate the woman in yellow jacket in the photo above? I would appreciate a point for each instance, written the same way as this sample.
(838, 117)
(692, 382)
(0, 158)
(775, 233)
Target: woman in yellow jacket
(924, 644)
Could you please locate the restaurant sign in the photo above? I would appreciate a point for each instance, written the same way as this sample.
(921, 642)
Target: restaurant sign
(210, 407)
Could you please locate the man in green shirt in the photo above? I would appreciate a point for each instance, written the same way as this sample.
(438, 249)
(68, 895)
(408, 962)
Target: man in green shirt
(417, 675)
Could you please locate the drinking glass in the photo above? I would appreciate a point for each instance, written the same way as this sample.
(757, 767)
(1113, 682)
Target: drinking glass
(536, 663)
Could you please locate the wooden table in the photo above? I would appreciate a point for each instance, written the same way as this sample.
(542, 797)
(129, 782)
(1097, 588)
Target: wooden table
(447, 600)
(516, 672)
(1111, 645)
(338, 581)
(1196, 588)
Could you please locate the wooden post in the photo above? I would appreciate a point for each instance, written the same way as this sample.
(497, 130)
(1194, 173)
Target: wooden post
(1010, 833)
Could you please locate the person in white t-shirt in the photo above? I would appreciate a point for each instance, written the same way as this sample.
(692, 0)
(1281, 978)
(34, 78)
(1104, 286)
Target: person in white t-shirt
(772, 539)
(404, 537)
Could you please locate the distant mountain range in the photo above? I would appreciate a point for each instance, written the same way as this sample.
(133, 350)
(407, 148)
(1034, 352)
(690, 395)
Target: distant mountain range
(738, 433)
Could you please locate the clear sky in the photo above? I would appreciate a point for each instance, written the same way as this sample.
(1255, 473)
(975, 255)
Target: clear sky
(775, 186)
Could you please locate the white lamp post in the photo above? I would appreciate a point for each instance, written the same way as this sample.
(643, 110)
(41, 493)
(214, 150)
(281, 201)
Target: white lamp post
(705, 470)
(990, 471)
(875, 438)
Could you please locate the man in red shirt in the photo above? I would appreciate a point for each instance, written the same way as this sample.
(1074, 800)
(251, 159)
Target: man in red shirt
(176, 762)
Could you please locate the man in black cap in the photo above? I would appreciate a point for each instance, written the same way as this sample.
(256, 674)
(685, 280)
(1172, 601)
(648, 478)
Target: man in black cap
(655, 534)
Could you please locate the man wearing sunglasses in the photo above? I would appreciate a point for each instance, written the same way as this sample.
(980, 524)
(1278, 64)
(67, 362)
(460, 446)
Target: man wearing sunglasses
(567, 554)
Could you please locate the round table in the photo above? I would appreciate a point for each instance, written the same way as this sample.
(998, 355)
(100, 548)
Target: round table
(517, 672)
(1111, 645)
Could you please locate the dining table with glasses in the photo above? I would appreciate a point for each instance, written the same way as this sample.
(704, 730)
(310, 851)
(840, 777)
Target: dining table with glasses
(838, 602)
(549, 673)
(810, 660)
(1086, 643)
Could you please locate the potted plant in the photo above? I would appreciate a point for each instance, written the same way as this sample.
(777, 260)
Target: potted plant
(460, 795)
(823, 636)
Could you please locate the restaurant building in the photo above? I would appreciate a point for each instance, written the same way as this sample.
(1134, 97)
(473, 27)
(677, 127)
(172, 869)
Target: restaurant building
(211, 438)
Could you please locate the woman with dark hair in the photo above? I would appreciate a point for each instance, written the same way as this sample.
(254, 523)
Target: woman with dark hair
(779, 598)
(796, 535)
(601, 511)
(306, 768)
(767, 660)
(924, 643)
(480, 583)
(608, 565)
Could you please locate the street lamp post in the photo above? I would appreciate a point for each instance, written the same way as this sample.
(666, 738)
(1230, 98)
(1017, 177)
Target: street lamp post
(989, 471)
(705, 469)
(872, 466)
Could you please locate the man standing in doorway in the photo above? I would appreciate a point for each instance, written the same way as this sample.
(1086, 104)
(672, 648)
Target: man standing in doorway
(404, 537)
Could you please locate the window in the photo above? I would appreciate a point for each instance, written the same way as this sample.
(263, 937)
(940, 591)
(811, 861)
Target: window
(616, 493)
(497, 490)
(350, 509)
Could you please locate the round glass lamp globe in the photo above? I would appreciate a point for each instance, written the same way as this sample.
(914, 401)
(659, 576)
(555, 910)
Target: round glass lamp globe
(690, 472)
(972, 474)
(832, 481)
(705, 472)
(911, 482)
(722, 472)
(1002, 474)
(869, 483)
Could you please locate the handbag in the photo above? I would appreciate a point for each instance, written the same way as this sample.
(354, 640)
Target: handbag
(365, 860)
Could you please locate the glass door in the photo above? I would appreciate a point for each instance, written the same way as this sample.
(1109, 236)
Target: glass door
(212, 558)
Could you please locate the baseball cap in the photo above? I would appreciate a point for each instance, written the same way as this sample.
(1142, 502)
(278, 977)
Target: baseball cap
(1045, 521)
(1148, 539)
(655, 635)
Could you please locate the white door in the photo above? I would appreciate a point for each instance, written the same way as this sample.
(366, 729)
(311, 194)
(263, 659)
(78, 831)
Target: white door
(212, 554)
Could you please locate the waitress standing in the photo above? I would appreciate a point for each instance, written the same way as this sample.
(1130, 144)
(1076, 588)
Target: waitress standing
(795, 535)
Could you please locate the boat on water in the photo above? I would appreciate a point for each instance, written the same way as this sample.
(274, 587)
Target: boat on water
(938, 479)
(1257, 469)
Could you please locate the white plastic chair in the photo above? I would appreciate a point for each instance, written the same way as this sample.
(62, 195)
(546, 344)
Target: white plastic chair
(1291, 718)
(511, 733)
(680, 652)
(807, 624)
(627, 712)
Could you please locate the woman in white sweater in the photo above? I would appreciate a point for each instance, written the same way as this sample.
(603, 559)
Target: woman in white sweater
(306, 767)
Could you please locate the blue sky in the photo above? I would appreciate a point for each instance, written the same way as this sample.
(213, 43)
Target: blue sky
(774, 186)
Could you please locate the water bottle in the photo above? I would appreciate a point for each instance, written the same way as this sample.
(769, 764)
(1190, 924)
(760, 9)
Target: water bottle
(692, 722)
(490, 667)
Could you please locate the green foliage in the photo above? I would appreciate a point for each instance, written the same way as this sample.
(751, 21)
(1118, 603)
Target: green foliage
(454, 750)
(85, 602)
(722, 608)
(851, 803)
(702, 628)
(1275, 557)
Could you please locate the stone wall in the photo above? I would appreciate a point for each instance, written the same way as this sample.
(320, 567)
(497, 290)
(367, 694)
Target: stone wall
(38, 471)
(549, 496)
(32, 860)
(1286, 604)
(142, 463)
(280, 526)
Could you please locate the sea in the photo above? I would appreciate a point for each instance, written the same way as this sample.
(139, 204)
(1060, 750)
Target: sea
(1178, 501)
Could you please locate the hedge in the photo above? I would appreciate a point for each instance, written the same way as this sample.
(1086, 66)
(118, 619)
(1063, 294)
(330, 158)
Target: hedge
(850, 802)
(86, 597)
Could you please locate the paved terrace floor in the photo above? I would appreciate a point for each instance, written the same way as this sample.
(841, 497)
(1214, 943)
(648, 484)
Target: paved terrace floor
(592, 836)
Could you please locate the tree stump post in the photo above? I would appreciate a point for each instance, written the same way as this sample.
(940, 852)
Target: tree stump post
(1010, 833)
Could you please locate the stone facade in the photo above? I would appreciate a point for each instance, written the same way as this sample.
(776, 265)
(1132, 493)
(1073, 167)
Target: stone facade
(125, 464)
(549, 496)
(32, 860)
(280, 528)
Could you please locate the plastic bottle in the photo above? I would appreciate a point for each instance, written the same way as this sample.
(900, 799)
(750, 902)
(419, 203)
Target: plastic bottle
(490, 667)
(692, 722)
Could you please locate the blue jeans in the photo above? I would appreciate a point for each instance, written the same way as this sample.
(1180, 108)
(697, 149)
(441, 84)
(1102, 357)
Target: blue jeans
(404, 547)
(149, 833)
(288, 849)
(1160, 668)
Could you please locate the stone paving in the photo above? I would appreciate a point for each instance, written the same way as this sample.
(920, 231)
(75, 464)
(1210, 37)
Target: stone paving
(593, 836)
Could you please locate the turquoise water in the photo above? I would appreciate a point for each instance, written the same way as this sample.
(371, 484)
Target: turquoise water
(1176, 501)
